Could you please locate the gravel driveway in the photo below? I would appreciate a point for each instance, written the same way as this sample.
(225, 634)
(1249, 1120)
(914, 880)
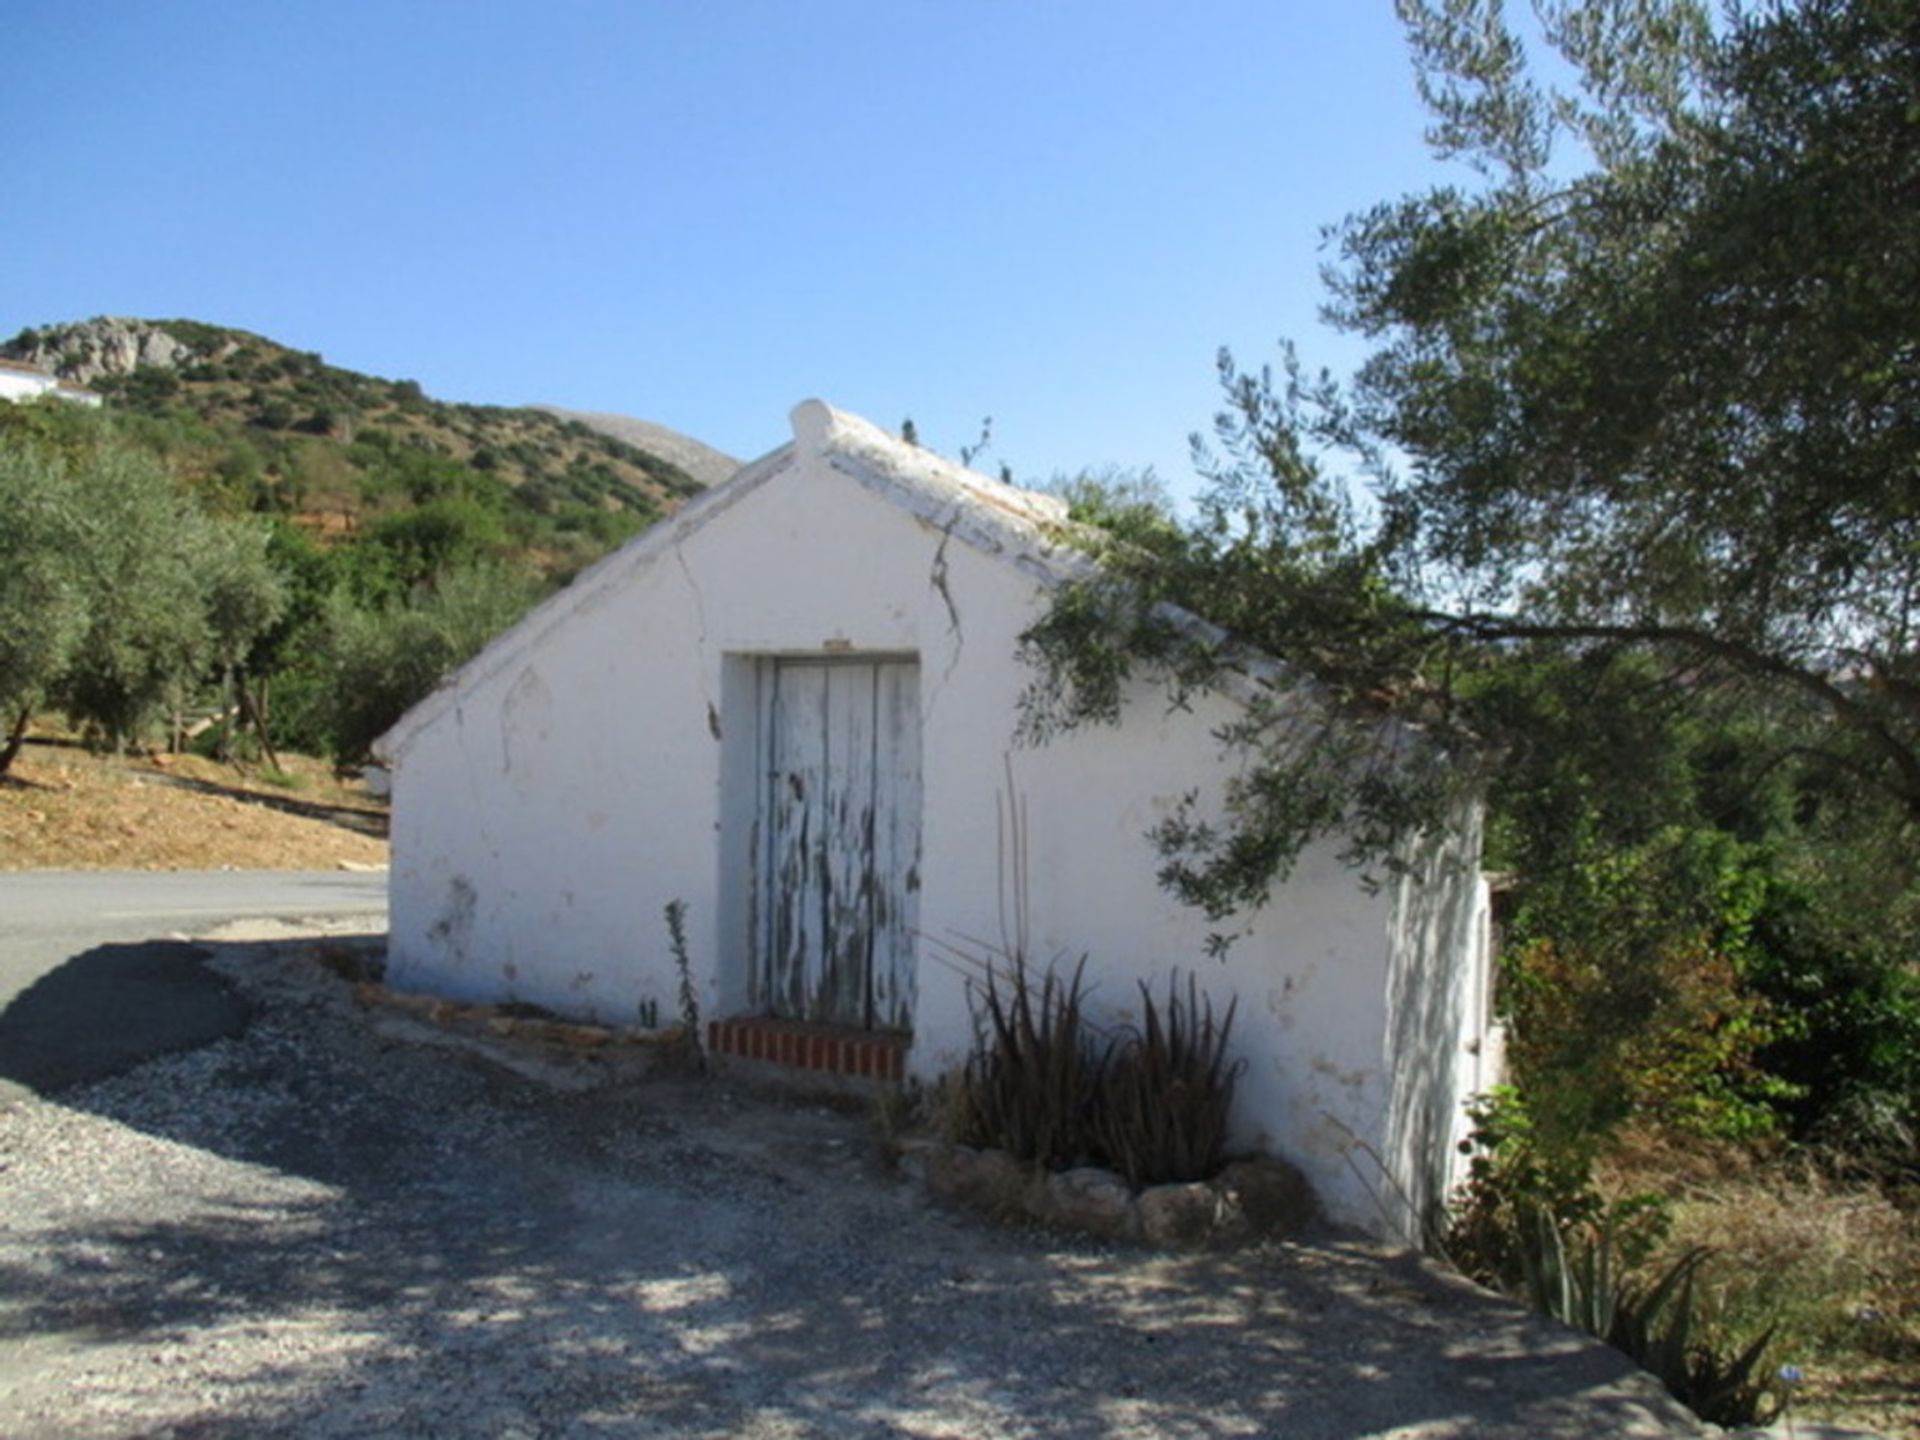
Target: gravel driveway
(309, 1229)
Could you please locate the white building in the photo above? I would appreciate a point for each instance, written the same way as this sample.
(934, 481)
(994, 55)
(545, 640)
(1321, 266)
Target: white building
(20, 381)
(792, 707)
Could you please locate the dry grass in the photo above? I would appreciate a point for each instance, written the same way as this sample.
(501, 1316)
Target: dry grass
(1837, 1266)
(63, 809)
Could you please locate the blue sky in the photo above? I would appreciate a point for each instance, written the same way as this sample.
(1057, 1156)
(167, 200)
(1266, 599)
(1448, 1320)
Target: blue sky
(1050, 212)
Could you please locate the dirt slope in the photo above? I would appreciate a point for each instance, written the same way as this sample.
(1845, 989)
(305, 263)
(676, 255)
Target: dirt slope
(63, 809)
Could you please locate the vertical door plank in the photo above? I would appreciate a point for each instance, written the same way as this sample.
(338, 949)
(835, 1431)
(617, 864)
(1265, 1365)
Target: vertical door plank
(846, 858)
(896, 907)
(795, 823)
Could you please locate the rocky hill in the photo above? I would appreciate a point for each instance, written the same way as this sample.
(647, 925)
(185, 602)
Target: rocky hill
(706, 464)
(269, 428)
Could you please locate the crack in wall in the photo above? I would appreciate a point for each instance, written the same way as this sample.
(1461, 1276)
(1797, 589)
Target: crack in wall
(700, 639)
(937, 577)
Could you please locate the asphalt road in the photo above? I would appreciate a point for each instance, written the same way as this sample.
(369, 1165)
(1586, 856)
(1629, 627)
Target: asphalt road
(97, 972)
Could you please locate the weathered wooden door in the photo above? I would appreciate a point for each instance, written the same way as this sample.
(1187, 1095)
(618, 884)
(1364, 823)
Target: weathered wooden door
(840, 830)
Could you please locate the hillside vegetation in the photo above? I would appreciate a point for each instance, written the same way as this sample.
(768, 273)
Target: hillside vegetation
(253, 425)
(246, 532)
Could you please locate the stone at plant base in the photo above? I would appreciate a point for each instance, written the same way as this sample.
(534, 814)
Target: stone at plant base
(998, 1183)
(917, 1155)
(1178, 1217)
(1274, 1198)
(943, 1167)
(989, 1180)
(1096, 1201)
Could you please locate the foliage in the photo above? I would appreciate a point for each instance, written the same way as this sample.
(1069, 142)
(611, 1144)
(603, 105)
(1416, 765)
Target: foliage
(380, 662)
(248, 424)
(1031, 1083)
(119, 591)
(397, 554)
(1514, 1176)
(1131, 506)
(1168, 1091)
(392, 552)
(1626, 987)
(1532, 1224)
(1657, 1324)
(1666, 404)
(1638, 560)
(676, 913)
(1847, 1040)
(1049, 1087)
(42, 599)
(147, 638)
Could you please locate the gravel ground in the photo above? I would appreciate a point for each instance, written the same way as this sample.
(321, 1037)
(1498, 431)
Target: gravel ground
(312, 1229)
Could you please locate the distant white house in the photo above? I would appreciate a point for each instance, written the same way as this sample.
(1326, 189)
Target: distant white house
(792, 707)
(20, 381)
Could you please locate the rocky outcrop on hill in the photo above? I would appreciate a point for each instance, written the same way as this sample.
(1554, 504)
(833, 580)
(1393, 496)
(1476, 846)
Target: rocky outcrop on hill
(90, 349)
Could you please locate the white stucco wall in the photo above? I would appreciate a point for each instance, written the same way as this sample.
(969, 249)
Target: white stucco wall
(23, 385)
(18, 384)
(591, 768)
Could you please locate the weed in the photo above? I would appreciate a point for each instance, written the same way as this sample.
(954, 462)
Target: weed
(895, 1110)
(1535, 1225)
(689, 997)
(1835, 1266)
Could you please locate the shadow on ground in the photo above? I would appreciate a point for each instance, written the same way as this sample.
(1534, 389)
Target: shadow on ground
(303, 1229)
(356, 818)
(110, 1008)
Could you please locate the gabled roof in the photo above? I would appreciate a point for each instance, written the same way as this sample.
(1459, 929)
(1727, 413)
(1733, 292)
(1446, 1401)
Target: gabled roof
(1022, 528)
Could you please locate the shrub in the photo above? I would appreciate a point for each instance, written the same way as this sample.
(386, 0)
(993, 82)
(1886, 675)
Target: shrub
(1163, 1105)
(1533, 1225)
(1031, 1083)
(1046, 1086)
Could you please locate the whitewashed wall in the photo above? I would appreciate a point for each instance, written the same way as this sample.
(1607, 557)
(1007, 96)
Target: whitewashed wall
(595, 765)
(20, 385)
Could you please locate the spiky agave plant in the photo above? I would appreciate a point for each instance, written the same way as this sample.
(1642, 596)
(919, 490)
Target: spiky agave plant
(1031, 1083)
(1167, 1094)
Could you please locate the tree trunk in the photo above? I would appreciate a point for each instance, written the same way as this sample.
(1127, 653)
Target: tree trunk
(224, 753)
(16, 738)
(259, 719)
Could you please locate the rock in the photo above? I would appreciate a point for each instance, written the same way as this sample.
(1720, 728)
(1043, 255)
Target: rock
(989, 1180)
(1095, 1201)
(1271, 1197)
(107, 345)
(914, 1155)
(1178, 1217)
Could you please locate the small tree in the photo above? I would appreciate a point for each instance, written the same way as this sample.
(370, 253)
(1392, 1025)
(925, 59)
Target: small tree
(43, 599)
(142, 560)
(383, 661)
(244, 597)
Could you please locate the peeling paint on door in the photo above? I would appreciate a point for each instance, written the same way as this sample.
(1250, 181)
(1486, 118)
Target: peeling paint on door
(840, 820)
